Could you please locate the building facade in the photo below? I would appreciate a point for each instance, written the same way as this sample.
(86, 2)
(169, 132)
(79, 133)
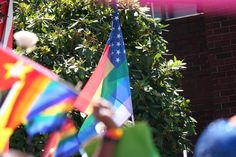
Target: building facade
(206, 40)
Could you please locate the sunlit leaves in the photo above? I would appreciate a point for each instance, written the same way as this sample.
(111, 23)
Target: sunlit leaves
(73, 34)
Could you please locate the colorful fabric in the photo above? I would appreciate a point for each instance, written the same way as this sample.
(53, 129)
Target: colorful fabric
(6, 23)
(88, 129)
(30, 90)
(63, 143)
(53, 117)
(110, 80)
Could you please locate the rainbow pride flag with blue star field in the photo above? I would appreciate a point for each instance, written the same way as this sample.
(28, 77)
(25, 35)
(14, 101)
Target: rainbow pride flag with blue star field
(110, 81)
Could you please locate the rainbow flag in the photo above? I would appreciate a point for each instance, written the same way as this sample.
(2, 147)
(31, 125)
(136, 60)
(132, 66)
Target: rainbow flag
(55, 116)
(110, 80)
(29, 89)
(63, 143)
(88, 130)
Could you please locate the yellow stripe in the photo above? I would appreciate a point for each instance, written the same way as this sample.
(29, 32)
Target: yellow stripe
(68, 133)
(108, 68)
(5, 136)
(58, 108)
(97, 95)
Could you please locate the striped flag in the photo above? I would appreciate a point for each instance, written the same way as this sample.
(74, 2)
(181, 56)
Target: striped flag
(41, 120)
(110, 81)
(6, 23)
(30, 89)
(6, 26)
(62, 143)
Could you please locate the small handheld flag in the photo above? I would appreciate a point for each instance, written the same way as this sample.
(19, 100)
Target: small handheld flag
(63, 143)
(28, 90)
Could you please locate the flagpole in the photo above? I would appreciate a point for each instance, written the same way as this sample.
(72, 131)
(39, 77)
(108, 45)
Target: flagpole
(8, 26)
(133, 119)
(83, 153)
(185, 154)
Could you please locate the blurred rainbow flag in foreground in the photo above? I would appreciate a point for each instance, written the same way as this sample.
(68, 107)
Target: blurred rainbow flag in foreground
(63, 143)
(110, 81)
(26, 90)
(50, 119)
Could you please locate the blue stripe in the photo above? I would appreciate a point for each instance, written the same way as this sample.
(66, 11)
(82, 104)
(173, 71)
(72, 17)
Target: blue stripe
(45, 124)
(122, 91)
(53, 94)
(88, 132)
(68, 147)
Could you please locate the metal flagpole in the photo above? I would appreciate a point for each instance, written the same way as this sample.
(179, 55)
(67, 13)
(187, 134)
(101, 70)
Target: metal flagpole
(133, 119)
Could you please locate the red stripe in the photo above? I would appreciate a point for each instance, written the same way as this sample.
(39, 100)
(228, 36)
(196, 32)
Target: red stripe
(68, 125)
(51, 144)
(18, 111)
(4, 59)
(93, 83)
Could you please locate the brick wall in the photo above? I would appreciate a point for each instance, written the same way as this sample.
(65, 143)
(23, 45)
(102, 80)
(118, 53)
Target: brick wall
(208, 44)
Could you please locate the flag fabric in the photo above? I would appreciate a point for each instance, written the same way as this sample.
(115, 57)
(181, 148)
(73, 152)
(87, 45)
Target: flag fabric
(88, 130)
(110, 80)
(63, 143)
(50, 119)
(6, 23)
(30, 90)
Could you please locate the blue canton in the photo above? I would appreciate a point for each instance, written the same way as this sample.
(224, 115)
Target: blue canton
(116, 42)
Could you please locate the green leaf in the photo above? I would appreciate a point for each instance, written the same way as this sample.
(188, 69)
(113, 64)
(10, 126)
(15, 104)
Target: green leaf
(73, 35)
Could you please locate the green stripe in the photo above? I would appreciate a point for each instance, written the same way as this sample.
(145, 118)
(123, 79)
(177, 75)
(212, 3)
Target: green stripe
(45, 118)
(90, 120)
(112, 80)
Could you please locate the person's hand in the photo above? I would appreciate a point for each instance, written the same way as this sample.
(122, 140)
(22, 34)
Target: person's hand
(103, 112)
(232, 120)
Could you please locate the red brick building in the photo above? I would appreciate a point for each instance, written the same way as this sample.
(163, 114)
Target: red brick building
(206, 41)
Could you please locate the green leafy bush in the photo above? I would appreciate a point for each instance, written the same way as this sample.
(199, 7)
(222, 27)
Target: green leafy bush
(72, 36)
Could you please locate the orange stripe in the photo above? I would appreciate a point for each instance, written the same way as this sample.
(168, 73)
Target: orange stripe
(68, 129)
(97, 95)
(68, 133)
(93, 83)
(35, 84)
